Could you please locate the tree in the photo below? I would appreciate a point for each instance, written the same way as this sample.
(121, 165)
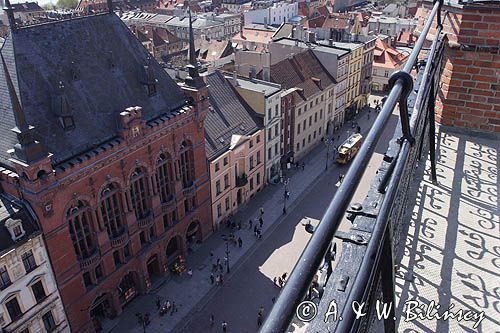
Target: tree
(67, 4)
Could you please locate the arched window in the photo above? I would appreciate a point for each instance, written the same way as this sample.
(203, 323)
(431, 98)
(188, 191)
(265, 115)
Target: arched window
(139, 193)
(111, 207)
(164, 177)
(187, 164)
(81, 230)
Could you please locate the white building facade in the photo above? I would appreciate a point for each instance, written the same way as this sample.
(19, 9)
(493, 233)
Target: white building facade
(276, 14)
(29, 298)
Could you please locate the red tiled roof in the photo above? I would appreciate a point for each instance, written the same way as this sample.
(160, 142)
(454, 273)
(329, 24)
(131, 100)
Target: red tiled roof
(386, 56)
(323, 10)
(316, 22)
(303, 71)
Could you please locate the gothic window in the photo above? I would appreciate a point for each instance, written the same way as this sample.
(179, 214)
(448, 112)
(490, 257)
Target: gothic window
(139, 193)
(111, 207)
(79, 219)
(164, 177)
(187, 164)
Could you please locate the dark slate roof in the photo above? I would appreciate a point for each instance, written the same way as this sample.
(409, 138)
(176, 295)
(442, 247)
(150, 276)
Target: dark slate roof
(300, 72)
(13, 209)
(228, 115)
(109, 61)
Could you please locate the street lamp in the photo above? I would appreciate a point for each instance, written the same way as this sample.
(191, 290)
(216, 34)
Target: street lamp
(143, 319)
(227, 252)
(285, 194)
(328, 143)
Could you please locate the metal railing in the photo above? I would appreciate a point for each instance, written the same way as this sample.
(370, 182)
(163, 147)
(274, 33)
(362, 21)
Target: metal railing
(319, 246)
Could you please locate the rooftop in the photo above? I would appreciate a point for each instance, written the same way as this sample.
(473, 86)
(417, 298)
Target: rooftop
(95, 57)
(228, 115)
(14, 209)
(267, 88)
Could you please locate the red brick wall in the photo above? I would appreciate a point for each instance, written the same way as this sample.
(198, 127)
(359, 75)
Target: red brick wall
(84, 180)
(469, 94)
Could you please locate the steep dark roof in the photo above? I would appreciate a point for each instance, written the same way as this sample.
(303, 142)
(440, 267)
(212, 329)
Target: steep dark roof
(109, 65)
(228, 115)
(300, 72)
(10, 209)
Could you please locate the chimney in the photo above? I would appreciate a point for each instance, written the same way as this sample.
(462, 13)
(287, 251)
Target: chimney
(265, 73)
(330, 42)
(265, 22)
(235, 76)
(312, 37)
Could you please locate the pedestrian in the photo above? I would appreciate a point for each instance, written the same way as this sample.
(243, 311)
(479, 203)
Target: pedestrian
(211, 255)
(259, 234)
(224, 326)
(303, 166)
(261, 211)
(158, 303)
(255, 230)
(218, 261)
(250, 223)
(280, 282)
(261, 222)
(284, 276)
(173, 308)
(212, 278)
(217, 280)
(214, 267)
(240, 242)
(338, 137)
(212, 320)
(273, 299)
(274, 280)
(259, 320)
(221, 279)
(190, 273)
(261, 310)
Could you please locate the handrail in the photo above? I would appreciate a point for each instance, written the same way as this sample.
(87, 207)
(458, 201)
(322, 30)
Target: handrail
(301, 278)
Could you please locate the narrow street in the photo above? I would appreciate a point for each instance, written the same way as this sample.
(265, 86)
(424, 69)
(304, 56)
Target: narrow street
(251, 286)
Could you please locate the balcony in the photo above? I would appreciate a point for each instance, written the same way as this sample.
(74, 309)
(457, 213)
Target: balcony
(90, 261)
(120, 239)
(423, 232)
(241, 180)
(146, 221)
(190, 190)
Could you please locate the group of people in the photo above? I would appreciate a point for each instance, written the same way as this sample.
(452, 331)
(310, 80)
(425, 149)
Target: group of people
(280, 280)
(166, 307)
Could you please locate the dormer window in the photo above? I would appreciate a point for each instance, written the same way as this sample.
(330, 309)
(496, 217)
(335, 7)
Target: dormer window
(67, 122)
(15, 228)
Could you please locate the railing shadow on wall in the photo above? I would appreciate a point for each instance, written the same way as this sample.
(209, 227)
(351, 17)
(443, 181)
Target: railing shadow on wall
(365, 269)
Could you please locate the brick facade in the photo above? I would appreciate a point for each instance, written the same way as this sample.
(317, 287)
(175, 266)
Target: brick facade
(469, 94)
(53, 196)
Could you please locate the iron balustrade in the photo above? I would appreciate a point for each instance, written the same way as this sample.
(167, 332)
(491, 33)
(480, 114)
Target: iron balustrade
(373, 261)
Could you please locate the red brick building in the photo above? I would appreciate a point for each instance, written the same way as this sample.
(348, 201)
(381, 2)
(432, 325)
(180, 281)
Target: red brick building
(469, 94)
(110, 154)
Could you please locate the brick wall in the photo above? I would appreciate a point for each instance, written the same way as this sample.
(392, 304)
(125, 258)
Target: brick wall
(469, 94)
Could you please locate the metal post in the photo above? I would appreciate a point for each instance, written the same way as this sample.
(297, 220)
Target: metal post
(227, 256)
(432, 131)
(387, 270)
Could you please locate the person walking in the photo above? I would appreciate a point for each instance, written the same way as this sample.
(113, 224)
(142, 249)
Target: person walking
(284, 276)
(158, 303)
(261, 211)
(259, 320)
(275, 280)
(261, 222)
(303, 166)
(240, 242)
(217, 280)
(250, 223)
(173, 308)
(221, 279)
(224, 326)
(212, 320)
(212, 278)
(280, 282)
(255, 230)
